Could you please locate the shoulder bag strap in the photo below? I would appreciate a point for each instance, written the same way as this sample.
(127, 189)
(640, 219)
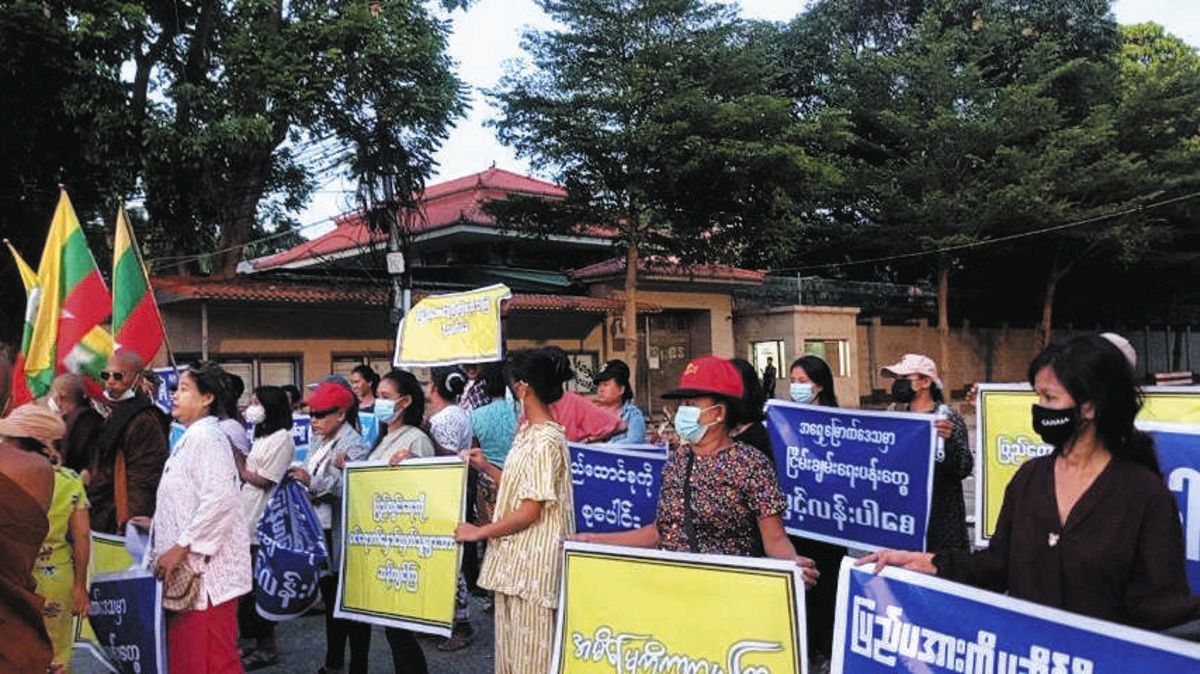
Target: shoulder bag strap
(120, 490)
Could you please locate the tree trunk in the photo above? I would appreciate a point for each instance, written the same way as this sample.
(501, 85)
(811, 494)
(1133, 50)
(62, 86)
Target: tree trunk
(944, 323)
(1045, 331)
(631, 313)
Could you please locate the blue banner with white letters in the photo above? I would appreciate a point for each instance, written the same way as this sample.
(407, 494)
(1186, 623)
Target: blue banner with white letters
(291, 555)
(1178, 448)
(852, 477)
(902, 621)
(615, 486)
(126, 613)
(170, 382)
(301, 436)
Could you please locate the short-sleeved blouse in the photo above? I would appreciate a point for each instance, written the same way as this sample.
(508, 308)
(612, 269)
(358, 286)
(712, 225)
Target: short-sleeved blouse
(730, 491)
(528, 564)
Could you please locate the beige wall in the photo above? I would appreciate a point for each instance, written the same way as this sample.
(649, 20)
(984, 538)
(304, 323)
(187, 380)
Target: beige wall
(976, 354)
(793, 325)
(315, 335)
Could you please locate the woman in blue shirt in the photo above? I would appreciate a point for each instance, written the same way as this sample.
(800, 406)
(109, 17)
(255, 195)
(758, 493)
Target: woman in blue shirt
(614, 393)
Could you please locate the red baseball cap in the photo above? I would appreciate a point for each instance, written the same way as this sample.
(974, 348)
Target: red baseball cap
(330, 395)
(708, 376)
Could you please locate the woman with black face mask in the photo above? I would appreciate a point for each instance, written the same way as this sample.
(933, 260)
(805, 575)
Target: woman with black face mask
(917, 388)
(1092, 527)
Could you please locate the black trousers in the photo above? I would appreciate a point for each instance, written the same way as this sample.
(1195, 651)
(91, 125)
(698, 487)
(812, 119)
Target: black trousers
(470, 563)
(250, 623)
(338, 630)
(820, 602)
(407, 656)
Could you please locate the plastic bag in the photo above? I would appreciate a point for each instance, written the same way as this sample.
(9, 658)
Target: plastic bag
(291, 555)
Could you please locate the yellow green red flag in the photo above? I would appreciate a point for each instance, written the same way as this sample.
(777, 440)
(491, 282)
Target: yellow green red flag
(67, 335)
(19, 392)
(136, 324)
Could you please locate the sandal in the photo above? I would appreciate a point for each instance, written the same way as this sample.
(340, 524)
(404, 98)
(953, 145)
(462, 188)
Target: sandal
(259, 659)
(459, 639)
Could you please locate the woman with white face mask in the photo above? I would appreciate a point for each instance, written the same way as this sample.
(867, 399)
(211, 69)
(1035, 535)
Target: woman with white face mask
(695, 512)
(270, 456)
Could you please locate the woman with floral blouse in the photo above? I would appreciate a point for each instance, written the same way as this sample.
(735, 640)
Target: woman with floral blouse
(719, 496)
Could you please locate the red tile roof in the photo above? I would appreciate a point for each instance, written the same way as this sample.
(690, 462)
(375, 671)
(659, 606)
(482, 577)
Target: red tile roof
(661, 268)
(251, 290)
(444, 204)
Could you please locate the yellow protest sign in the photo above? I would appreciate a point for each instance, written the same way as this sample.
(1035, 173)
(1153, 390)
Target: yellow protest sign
(400, 563)
(1005, 438)
(108, 555)
(639, 611)
(454, 328)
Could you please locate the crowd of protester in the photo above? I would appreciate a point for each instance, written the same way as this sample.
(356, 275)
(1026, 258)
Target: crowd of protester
(1090, 528)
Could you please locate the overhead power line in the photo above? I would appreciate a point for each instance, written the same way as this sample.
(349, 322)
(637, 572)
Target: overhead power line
(1000, 239)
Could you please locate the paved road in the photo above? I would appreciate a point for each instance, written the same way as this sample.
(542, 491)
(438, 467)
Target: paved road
(302, 649)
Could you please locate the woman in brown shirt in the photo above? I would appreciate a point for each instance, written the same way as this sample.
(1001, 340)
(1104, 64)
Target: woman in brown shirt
(1091, 528)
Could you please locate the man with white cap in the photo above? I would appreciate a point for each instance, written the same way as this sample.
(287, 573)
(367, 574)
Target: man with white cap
(918, 388)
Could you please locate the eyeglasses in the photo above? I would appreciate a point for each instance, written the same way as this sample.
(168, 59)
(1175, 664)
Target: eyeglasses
(115, 376)
(321, 414)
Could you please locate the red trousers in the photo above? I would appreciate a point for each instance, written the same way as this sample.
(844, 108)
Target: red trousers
(199, 642)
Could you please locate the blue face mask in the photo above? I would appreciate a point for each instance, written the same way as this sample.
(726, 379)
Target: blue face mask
(385, 410)
(801, 391)
(687, 423)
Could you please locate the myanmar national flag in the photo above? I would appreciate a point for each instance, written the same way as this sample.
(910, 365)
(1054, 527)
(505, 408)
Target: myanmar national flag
(67, 334)
(136, 324)
(19, 392)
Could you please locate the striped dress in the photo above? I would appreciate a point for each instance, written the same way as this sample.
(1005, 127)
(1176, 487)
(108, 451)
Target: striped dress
(524, 569)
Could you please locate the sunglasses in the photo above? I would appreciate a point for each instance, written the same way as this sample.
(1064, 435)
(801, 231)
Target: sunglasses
(321, 414)
(115, 376)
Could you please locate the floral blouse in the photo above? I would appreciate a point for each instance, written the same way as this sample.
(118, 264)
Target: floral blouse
(730, 491)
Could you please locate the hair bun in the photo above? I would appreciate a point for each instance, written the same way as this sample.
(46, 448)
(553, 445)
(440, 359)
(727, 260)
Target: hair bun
(456, 383)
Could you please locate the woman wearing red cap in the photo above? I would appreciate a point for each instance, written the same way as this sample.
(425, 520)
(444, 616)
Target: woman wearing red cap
(695, 511)
(334, 410)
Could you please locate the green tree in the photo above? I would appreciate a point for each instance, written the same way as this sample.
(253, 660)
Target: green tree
(231, 112)
(664, 121)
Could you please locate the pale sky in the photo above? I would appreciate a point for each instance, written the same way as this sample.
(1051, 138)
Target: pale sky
(489, 33)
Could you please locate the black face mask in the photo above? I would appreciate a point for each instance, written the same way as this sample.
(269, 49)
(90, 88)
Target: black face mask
(902, 391)
(1056, 427)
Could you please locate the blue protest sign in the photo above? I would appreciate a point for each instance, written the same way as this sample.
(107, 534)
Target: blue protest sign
(301, 436)
(170, 382)
(853, 477)
(370, 428)
(291, 554)
(909, 622)
(616, 486)
(127, 616)
(177, 430)
(1178, 448)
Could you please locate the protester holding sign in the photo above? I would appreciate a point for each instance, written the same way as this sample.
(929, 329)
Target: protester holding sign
(918, 387)
(534, 513)
(1092, 527)
(27, 485)
(270, 456)
(199, 539)
(811, 383)
(400, 407)
(718, 496)
(333, 410)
